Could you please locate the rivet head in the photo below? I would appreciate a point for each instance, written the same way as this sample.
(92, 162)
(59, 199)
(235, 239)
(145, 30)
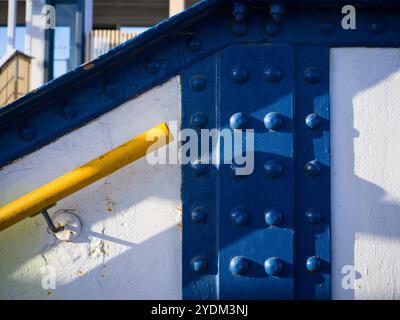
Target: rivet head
(27, 133)
(313, 121)
(312, 75)
(273, 266)
(199, 264)
(313, 264)
(198, 83)
(111, 90)
(153, 67)
(68, 112)
(273, 29)
(313, 168)
(377, 26)
(273, 121)
(199, 120)
(239, 265)
(238, 121)
(239, 28)
(273, 169)
(313, 215)
(239, 216)
(194, 45)
(327, 27)
(239, 74)
(199, 215)
(273, 217)
(199, 168)
(273, 74)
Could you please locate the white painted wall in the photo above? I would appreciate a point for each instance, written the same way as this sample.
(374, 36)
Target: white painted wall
(35, 45)
(130, 246)
(365, 145)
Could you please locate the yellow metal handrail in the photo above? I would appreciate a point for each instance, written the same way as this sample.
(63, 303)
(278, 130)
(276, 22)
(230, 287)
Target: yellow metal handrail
(77, 179)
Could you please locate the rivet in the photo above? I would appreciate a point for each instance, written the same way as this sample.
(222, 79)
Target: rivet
(239, 216)
(273, 169)
(152, 67)
(377, 26)
(312, 75)
(313, 215)
(273, 74)
(194, 45)
(239, 265)
(313, 264)
(239, 28)
(273, 217)
(68, 112)
(198, 83)
(199, 264)
(313, 121)
(313, 168)
(239, 74)
(273, 121)
(199, 168)
(273, 29)
(27, 133)
(238, 121)
(199, 215)
(273, 266)
(199, 120)
(326, 27)
(111, 90)
(277, 10)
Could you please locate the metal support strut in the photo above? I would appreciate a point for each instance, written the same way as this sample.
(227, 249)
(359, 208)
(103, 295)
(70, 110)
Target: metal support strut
(50, 223)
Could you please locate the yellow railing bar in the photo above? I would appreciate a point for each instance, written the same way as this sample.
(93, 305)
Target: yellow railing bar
(47, 195)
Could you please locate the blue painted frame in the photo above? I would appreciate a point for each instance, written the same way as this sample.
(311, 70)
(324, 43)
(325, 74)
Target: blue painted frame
(190, 45)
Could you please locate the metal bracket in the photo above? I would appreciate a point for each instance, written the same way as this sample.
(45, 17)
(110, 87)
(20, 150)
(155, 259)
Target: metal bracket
(50, 223)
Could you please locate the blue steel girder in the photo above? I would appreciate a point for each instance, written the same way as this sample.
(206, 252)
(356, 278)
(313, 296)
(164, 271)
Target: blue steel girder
(261, 231)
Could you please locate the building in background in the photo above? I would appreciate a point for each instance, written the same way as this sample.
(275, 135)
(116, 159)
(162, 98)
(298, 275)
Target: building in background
(83, 30)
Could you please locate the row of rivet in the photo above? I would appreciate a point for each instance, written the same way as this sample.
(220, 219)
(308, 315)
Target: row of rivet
(240, 265)
(240, 216)
(274, 27)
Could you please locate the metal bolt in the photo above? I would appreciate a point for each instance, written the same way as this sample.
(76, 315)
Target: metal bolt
(239, 265)
(312, 75)
(239, 74)
(199, 215)
(238, 121)
(273, 74)
(313, 121)
(153, 67)
(27, 133)
(313, 264)
(313, 168)
(313, 215)
(199, 120)
(273, 217)
(239, 216)
(199, 168)
(273, 121)
(239, 27)
(327, 27)
(273, 169)
(194, 45)
(199, 264)
(273, 266)
(277, 10)
(273, 29)
(377, 26)
(198, 82)
(68, 112)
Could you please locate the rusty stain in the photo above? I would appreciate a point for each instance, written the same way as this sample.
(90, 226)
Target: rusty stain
(179, 218)
(88, 66)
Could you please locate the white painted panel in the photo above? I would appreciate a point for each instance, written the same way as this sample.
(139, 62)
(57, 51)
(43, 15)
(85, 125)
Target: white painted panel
(130, 247)
(365, 145)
